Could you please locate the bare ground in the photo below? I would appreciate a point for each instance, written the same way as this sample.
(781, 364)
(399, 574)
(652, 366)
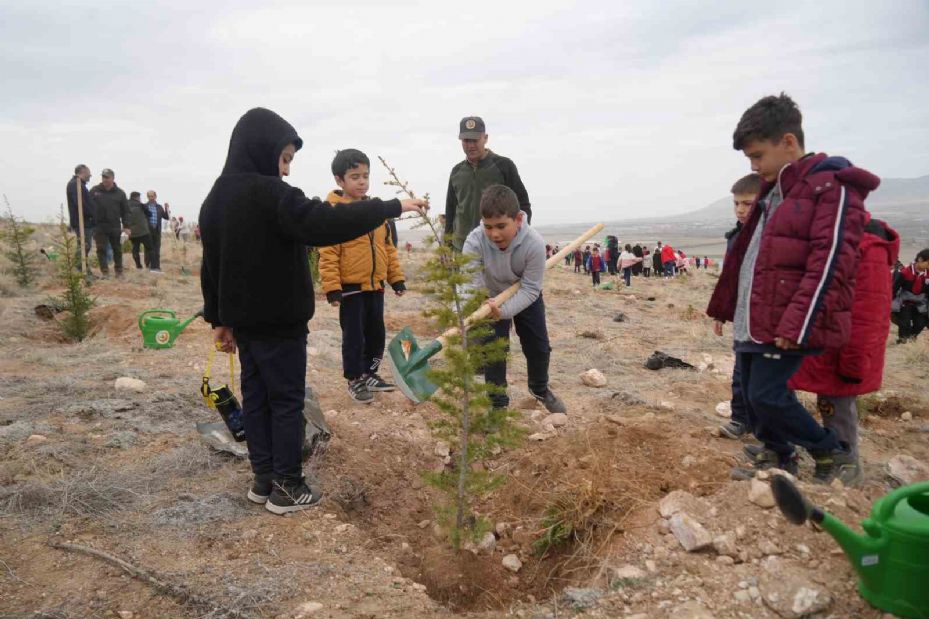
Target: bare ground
(126, 474)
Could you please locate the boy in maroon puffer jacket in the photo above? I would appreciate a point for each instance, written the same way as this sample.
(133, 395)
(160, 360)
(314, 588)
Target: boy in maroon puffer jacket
(788, 283)
(839, 375)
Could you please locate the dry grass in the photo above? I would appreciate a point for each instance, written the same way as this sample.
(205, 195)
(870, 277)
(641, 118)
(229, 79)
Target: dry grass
(916, 354)
(93, 492)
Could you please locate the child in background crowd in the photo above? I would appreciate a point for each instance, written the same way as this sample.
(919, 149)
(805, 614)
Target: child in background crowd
(596, 265)
(578, 260)
(628, 260)
(586, 259)
(911, 297)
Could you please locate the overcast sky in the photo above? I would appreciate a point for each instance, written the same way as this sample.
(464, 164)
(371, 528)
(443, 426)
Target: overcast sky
(610, 109)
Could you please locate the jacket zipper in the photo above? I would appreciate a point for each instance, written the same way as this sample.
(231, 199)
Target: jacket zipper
(373, 258)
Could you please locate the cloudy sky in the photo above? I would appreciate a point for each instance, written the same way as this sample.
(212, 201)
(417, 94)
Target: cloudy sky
(610, 109)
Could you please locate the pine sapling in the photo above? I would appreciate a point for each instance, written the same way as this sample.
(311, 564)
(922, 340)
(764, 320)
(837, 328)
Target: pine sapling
(75, 300)
(469, 420)
(16, 236)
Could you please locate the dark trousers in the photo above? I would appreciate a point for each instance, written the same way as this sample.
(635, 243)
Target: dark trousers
(778, 419)
(596, 277)
(611, 264)
(627, 275)
(361, 316)
(273, 389)
(646, 271)
(910, 323)
(146, 243)
(109, 238)
(155, 261)
(669, 268)
(737, 403)
(577, 267)
(88, 243)
(533, 337)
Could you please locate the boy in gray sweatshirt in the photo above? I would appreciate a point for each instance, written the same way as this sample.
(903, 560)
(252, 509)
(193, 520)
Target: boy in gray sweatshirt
(507, 251)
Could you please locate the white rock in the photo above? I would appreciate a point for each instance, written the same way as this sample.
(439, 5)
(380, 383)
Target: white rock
(724, 409)
(36, 439)
(487, 543)
(125, 614)
(907, 469)
(907, 416)
(690, 533)
(725, 545)
(442, 449)
(593, 378)
(782, 473)
(502, 528)
(725, 560)
(556, 419)
(125, 383)
(688, 461)
(307, 608)
(668, 406)
(627, 572)
(536, 415)
(768, 547)
(512, 563)
(760, 494)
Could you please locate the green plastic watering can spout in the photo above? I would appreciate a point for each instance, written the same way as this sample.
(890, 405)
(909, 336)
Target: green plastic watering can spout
(184, 324)
(862, 550)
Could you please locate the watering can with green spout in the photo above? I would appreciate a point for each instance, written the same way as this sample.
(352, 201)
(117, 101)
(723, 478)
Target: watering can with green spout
(891, 558)
(160, 327)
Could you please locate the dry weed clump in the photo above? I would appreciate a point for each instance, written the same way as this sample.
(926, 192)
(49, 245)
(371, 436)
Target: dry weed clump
(95, 492)
(916, 353)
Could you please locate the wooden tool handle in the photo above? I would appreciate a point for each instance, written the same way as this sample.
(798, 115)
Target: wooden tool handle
(484, 310)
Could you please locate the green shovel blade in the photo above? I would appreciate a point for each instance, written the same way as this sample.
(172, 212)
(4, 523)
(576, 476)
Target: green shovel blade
(409, 364)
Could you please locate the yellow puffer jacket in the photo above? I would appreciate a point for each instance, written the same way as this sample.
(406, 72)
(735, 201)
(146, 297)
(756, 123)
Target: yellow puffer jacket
(360, 264)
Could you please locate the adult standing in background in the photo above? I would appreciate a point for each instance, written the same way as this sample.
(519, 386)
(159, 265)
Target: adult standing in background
(139, 233)
(80, 178)
(468, 179)
(155, 213)
(112, 217)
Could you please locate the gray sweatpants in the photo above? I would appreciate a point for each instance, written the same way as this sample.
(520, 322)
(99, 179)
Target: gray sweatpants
(841, 414)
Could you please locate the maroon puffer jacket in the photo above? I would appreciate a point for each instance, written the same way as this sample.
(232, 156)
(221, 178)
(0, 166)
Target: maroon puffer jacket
(804, 277)
(862, 359)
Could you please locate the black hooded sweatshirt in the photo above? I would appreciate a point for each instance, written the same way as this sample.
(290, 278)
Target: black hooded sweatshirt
(255, 229)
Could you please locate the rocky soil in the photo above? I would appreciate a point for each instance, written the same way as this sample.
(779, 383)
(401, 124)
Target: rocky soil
(636, 474)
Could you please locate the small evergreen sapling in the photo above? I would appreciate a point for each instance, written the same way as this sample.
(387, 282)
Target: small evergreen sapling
(16, 236)
(468, 422)
(75, 300)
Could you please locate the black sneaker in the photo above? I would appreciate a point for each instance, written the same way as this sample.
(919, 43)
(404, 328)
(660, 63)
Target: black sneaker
(551, 402)
(260, 490)
(358, 389)
(839, 463)
(751, 450)
(289, 497)
(734, 429)
(376, 383)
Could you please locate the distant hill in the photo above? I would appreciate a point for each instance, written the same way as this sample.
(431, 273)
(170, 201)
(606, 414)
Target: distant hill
(896, 198)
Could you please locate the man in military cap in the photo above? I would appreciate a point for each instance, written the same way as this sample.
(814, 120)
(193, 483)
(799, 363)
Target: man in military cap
(480, 169)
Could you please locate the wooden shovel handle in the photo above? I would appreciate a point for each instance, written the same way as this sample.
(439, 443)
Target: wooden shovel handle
(484, 310)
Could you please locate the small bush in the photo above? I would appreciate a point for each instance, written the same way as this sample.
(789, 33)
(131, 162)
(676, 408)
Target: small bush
(16, 236)
(75, 300)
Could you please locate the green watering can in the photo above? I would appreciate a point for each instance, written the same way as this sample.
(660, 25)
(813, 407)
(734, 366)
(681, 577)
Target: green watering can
(891, 558)
(160, 327)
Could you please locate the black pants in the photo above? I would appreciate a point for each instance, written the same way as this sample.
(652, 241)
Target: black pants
(155, 261)
(361, 316)
(146, 243)
(596, 277)
(273, 389)
(778, 419)
(911, 323)
(577, 267)
(105, 238)
(611, 264)
(533, 337)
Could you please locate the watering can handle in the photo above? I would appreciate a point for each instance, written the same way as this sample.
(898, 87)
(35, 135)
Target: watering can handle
(887, 507)
(484, 310)
(155, 311)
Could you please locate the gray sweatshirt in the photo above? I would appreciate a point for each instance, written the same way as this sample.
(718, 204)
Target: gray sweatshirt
(523, 260)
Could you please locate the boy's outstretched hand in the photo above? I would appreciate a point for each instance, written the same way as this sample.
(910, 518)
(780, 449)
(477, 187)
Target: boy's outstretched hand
(224, 339)
(718, 327)
(414, 204)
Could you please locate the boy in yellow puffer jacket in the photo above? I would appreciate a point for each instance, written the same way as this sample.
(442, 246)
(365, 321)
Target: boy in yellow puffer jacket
(353, 276)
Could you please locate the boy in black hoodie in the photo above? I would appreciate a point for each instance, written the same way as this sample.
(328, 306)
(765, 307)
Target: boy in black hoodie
(258, 294)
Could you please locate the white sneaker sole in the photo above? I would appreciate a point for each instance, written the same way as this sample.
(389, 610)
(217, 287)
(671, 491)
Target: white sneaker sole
(257, 498)
(280, 510)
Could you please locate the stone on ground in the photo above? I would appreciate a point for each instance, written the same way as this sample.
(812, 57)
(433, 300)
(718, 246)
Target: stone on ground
(126, 383)
(689, 532)
(907, 469)
(556, 420)
(593, 378)
(790, 594)
(760, 494)
(512, 563)
(580, 598)
(683, 501)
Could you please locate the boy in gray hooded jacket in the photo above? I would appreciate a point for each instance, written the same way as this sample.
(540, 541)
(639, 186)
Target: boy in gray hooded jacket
(509, 251)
